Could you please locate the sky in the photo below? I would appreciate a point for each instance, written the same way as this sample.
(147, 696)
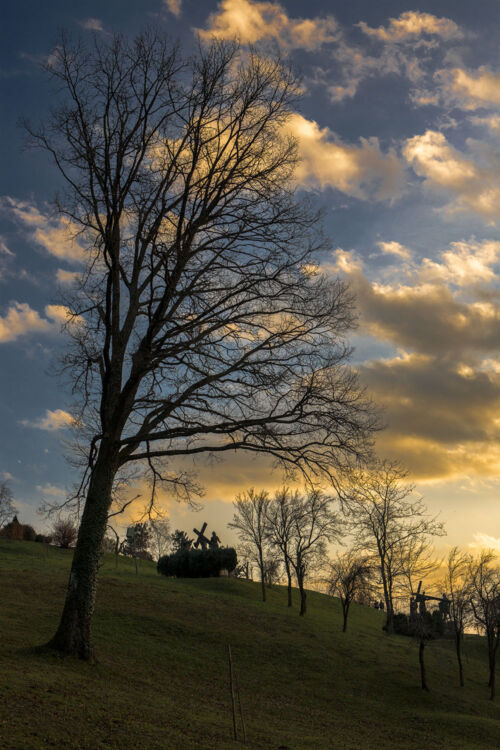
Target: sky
(399, 139)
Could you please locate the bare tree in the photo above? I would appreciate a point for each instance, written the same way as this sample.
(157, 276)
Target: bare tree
(387, 520)
(64, 533)
(349, 575)
(458, 587)
(485, 603)
(314, 524)
(250, 523)
(415, 559)
(280, 525)
(199, 325)
(7, 508)
(160, 536)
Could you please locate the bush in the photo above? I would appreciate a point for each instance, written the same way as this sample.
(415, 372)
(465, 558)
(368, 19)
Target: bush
(64, 533)
(29, 533)
(43, 538)
(198, 563)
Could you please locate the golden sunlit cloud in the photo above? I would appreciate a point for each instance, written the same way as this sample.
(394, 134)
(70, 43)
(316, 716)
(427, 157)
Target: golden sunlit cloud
(470, 90)
(174, 6)
(472, 181)
(52, 421)
(250, 22)
(21, 320)
(395, 248)
(359, 171)
(485, 541)
(56, 236)
(411, 24)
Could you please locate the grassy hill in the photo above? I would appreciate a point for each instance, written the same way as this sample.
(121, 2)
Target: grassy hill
(161, 679)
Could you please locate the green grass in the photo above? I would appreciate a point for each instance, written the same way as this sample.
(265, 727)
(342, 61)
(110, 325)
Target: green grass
(161, 677)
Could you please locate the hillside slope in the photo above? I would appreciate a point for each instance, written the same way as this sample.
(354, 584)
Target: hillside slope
(161, 679)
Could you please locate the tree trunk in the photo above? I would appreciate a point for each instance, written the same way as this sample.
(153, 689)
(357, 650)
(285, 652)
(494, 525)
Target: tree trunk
(389, 621)
(345, 612)
(491, 682)
(73, 636)
(289, 582)
(262, 576)
(422, 664)
(458, 648)
(303, 597)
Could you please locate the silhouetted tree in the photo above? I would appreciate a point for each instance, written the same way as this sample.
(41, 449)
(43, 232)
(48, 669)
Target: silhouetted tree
(279, 529)
(7, 508)
(250, 523)
(349, 575)
(160, 536)
(180, 540)
(314, 524)
(64, 533)
(139, 546)
(485, 603)
(387, 519)
(457, 585)
(200, 323)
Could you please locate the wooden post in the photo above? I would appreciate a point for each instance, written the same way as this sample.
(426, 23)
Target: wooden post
(231, 686)
(240, 709)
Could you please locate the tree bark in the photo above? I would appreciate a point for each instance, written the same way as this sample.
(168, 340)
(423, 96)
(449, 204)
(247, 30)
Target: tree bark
(345, 612)
(289, 582)
(423, 678)
(262, 576)
(458, 647)
(491, 682)
(303, 597)
(73, 636)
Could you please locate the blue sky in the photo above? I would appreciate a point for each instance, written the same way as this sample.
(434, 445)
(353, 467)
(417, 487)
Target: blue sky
(399, 134)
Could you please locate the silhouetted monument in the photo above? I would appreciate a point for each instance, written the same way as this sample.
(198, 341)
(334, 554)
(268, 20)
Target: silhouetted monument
(202, 540)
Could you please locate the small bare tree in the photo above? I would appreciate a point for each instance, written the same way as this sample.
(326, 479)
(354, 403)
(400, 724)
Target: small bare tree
(457, 584)
(250, 523)
(197, 326)
(280, 526)
(160, 538)
(349, 576)
(64, 533)
(7, 508)
(314, 524)
(388, 522)
(485, 603)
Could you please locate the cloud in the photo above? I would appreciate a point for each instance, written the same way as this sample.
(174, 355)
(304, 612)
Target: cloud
(441, 392)
(21, 320)
(52, 490)
(66, 277)
(92, 24)
(485, 541)
(52, 421)
(469, 90)
(471, 180)
(252, 22)
(360, 171)
(395, 248)
(412, 24)
(4, 250)
(174, 6)
(57, 236)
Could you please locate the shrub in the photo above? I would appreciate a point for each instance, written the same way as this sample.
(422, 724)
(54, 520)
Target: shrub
(198, 563)
(64, 533)
(29, 533)
(43, 538)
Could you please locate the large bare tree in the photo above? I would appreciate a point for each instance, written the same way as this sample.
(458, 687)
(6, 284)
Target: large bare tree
(200, 324)
(457, 584)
